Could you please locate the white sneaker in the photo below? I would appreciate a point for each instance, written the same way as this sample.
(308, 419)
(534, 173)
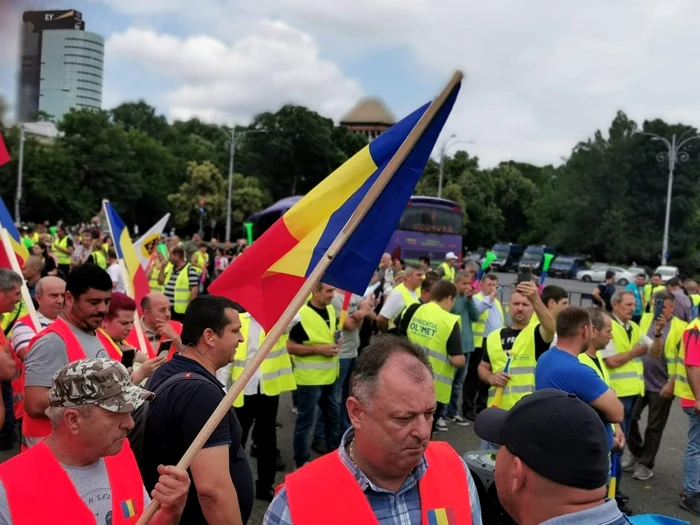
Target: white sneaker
(629, 462)
(461, 421)
(441, 424)
(642, 473)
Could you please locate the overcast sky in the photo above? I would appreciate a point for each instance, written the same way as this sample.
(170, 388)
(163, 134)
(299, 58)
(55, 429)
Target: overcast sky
(541, 75)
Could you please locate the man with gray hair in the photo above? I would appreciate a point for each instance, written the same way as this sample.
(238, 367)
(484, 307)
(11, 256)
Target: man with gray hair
(86, 465)
(386, 460)
(403, 295)
(10, 297)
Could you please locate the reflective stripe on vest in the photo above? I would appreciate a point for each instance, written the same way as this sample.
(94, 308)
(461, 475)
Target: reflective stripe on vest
(316, 370)
(430, 327)
(628, 379)
(38, 472)
(479, 327)
(671, 345)
(522, 365)
(277, 375)
(63, 258)
(690, 336)
(312, 499)
(182, 287)
(449, 271)
(34, 430)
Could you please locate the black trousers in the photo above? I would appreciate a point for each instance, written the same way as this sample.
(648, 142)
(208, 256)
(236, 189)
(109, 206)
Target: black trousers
(659, 409)
(475, 392)
(261, 410)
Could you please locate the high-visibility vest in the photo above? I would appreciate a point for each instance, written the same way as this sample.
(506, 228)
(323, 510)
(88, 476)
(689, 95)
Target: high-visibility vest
(479, 327)
(35, 237)
(37, 429)
(153, 283)
(316, 370)
(522, 365)
(202, 262)
(603, 374)
(691, 335)
(449, 271)
(649, 292)
(9, 319)
(443, 489)
(18, 381)
(672, 344)
(63, 258)
(182, 287)
(628, 379)
(112, 348)
(695, 299)
(430, 328)
(38, 472)
(133, 340)
(408, 299)
(98, 256)
(276, 369)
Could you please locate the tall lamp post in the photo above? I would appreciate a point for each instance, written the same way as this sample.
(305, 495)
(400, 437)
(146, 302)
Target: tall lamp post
(446, 145)
(20, 168)
(231, 144)
(674, 153)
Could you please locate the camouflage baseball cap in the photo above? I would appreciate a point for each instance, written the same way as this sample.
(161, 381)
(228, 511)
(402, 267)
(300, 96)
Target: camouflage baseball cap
(100, 382)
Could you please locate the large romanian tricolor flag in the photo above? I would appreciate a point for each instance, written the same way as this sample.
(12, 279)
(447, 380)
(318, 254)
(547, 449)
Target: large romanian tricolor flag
(18, 246)
(137, 285)
(268, 275)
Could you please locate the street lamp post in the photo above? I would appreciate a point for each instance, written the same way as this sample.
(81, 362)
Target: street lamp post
(20, 167)
(446, 145)
(673, 154)
(232, 152)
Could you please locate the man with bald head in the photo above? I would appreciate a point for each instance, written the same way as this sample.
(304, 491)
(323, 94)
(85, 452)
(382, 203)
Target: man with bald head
(31, 271)
(157, 325)
(49, 293)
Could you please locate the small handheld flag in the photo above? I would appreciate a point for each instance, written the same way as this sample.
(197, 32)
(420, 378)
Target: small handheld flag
(499, 391)
(249, 232)
(490, 257)
(548, 257)
(612, 489)
(344, 312)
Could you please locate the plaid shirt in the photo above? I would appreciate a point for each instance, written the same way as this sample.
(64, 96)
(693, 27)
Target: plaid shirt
(402, 508)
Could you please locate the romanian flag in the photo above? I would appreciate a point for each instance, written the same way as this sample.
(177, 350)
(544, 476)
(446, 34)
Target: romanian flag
(18, 246)
(137, 286)
(128, 509)
(267, 276)
(442, 517)
(4, 155)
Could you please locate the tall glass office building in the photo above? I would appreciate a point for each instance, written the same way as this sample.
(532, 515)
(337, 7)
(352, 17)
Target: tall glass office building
(61, 66)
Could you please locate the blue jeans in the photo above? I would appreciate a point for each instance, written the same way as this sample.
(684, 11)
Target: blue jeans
(342, 385)
(308, 397)
(457, 385)
(691, 461)
(628, 404)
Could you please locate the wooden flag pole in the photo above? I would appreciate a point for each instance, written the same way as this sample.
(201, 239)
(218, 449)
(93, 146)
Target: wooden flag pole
(307, 288)
(128, 285)
(7, 244)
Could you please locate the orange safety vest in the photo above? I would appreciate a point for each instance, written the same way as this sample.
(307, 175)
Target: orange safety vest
(133, 340)
(37, 472)
(40, 428)
(112, 348)
(18, 381)
(444, 491)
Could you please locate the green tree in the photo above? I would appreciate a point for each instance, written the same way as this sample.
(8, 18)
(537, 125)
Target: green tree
(247, 197)
(204, 182)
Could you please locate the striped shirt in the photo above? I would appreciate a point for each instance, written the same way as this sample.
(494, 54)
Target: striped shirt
(400, 508)
(192, 275)
(23, 333)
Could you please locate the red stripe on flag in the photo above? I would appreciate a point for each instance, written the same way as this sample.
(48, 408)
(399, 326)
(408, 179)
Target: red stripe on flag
(4, 154)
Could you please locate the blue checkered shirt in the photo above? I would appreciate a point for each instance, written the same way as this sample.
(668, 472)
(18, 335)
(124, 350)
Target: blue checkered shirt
(401, 508)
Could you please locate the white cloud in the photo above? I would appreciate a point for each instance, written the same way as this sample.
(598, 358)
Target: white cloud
(272, 65)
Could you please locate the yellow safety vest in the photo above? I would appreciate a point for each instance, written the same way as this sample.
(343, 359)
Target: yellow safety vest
(99, 258)
(19, 311)
(276, 369)
(672, 344)
(63, 258)
(604, 375)
(695, 298)
(202, 262)
(682, 388)
(649, 292)
(449, 271)
(153, 281)
(479, 327)
(408, 299)
(628, 379)
(522, 365)
(35, 237)
(316, 370)
(182, 287)
(430, 327)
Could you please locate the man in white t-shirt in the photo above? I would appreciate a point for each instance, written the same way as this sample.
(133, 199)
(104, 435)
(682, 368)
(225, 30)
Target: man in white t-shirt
(401, 296)
(49, 294)
(115, 272)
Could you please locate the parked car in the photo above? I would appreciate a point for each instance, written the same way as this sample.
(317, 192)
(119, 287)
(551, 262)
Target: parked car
(533, 257)
(597, 274)
(636, 270)
(666, 272)
(508, 256)
(567, 267)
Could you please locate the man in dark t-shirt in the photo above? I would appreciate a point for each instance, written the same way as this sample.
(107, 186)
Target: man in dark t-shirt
(602, 295)
(222, 482)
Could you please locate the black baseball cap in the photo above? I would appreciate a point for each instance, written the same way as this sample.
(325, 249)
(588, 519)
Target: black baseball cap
(556, 434)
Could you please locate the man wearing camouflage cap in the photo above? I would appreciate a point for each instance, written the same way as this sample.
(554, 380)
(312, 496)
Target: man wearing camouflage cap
(85, 471)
